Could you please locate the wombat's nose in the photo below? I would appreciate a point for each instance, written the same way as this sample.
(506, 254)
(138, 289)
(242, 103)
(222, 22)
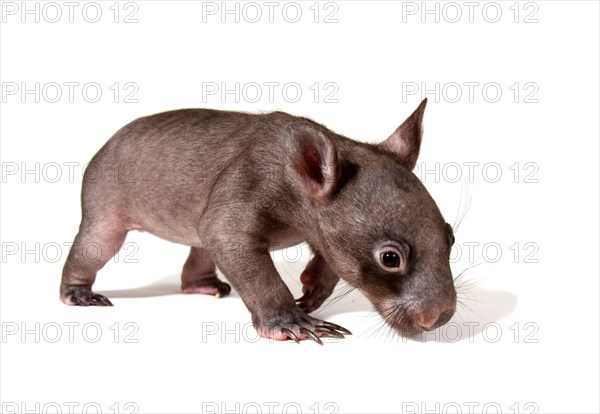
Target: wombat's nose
(443, 318)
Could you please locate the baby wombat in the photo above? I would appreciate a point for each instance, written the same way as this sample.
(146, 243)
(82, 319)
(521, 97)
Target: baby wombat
(234, 186)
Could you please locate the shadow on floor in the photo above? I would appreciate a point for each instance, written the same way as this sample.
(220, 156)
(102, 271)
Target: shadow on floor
(482, 310)
(168, 285)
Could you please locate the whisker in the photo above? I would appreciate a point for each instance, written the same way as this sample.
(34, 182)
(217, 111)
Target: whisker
(464, 286)
(460, 281)
(466, 293)
(467, 307)
(464, 205)
(374, 330)
(343, 290)
(390, 317)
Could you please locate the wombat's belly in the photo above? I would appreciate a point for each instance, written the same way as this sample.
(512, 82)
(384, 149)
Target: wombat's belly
(286, 238)
(167, 204)
(187, 236)
(182, 231)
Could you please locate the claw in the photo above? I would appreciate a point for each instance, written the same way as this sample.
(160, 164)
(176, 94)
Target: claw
(76, 300)
(329, 332)
(307, 306)
(100, 300)
(79, 301)
(311, 335)
(104, 301)
(91, 300)
(290, 335)
(304, 306)
(306, 293)
(335, 327)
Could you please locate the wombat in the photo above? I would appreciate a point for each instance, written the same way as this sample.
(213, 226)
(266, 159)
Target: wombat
(234, 186)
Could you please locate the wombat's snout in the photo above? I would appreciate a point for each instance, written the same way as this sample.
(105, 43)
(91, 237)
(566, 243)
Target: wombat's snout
(435, 318)
(415, 318)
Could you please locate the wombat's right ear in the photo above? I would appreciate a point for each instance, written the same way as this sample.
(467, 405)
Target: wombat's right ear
(405, 142)
(313, 164)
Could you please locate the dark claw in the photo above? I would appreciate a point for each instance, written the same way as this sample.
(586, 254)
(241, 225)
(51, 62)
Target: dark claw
(311, 335)
(104, 301)
(100, 300)
(223, 289)
(91, 300)
(307, 307)
(78, 301)
(290, 335)
(304, 306)
(335, 327)
(305, 295)
(329, 332)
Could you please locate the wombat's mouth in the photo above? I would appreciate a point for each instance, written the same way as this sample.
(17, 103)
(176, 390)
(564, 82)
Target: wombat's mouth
(399, 317)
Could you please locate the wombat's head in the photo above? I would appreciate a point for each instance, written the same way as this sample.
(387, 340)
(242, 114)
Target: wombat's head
(378, 227)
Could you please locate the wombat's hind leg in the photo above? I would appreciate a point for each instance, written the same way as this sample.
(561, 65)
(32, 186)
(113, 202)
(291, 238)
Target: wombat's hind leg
(199, 275)
(95, 244)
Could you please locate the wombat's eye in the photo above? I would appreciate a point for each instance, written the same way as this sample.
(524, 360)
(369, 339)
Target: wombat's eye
(392, 257)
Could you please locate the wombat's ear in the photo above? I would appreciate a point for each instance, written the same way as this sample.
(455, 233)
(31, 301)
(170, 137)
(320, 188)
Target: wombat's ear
(313, 164)
(405, 142)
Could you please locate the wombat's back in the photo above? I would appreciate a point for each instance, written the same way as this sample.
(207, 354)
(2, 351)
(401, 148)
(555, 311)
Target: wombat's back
(160, 169)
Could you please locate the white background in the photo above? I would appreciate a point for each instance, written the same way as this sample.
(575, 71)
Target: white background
(528, 340)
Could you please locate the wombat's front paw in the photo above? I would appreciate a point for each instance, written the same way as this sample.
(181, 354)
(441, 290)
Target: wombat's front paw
(208, 286)
(82, 296)
(298, 328)
(318, 282)
(313, 297)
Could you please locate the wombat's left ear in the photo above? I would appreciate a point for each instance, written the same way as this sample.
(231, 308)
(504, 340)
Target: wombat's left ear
(313, 164)
(405, 142)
